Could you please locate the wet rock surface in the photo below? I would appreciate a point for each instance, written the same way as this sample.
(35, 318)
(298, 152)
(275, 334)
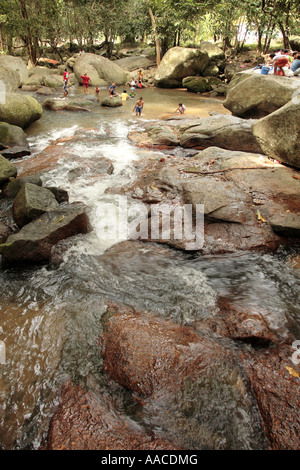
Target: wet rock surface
(274, 379)
(33, 243)
(32, 201)
(63, 104)
(243, 194)
(195, 372)
(224, 131)
(84, 421)
(13, 141)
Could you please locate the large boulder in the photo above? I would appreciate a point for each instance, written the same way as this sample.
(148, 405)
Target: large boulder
(113, 102)
(279, 133)
(15, 184)
(274, 187)
(225, 131)
(42, 71)
(33, 243)
(222, 200)
(13, 71)
(20, 110)
(195, 374)
(250, 202)
(274, 380)
(9, 80)
(252, 95)
(286, 223)
(101, 71)
(214, 52)
(134, 63)
(201, 84)
(162, 135)
(43, 76)
(7, 170)
(32, 81)
(295, 43)
(13, 141)
(231, 70)
(31, 202)
(56, 104)
(53, 81)
(180, 62)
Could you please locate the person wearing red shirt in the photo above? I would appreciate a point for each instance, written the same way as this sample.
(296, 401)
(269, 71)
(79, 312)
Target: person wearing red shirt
(85, 82)
(66, 75)
(280, 61)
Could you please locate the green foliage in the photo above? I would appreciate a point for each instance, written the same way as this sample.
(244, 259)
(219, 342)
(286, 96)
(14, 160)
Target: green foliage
(35, 23)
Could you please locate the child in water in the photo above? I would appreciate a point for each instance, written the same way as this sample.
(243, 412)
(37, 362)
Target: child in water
(66, 88)
(132, 93)
(97, 93)
(139, 106)
(124, 96)
(181, 108)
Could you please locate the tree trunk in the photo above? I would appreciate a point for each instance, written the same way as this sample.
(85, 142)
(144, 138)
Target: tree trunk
(157, 44)
(285, 36)
(178, 38)
(227, 43)
(30, 47)
(259, 40)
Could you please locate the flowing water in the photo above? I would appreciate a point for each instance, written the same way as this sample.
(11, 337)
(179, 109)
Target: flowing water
(50, 318)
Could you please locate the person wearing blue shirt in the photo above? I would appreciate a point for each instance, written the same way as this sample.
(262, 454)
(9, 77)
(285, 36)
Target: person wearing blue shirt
(112, 90)
(295, 65)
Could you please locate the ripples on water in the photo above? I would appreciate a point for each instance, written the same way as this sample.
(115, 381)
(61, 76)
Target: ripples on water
(50, 319)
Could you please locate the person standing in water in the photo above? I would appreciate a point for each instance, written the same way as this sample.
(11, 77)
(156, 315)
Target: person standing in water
(85, 82)
(66, 75)
(97, 93)
(139, 106)
(66, 88)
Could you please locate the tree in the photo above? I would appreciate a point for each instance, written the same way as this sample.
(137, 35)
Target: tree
(154, 28)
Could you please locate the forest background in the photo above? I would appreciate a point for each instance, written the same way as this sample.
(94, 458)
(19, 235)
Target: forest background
(35, 28)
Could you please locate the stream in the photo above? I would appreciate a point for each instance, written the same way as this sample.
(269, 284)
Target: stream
(50, 319)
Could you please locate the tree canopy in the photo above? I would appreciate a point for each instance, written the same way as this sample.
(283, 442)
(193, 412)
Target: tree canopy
(34, 24)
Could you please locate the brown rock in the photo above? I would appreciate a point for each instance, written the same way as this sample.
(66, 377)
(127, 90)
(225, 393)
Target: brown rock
(83, 421)
(275, 383)
(249, 325)
(44, 161)
(33, 243)
(195, 375)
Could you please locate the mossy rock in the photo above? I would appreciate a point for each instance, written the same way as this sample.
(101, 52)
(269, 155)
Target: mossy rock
(200, 84)
(20, 110)
(32, 201)
(112, 102)
(7, 170)
(11, 136)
